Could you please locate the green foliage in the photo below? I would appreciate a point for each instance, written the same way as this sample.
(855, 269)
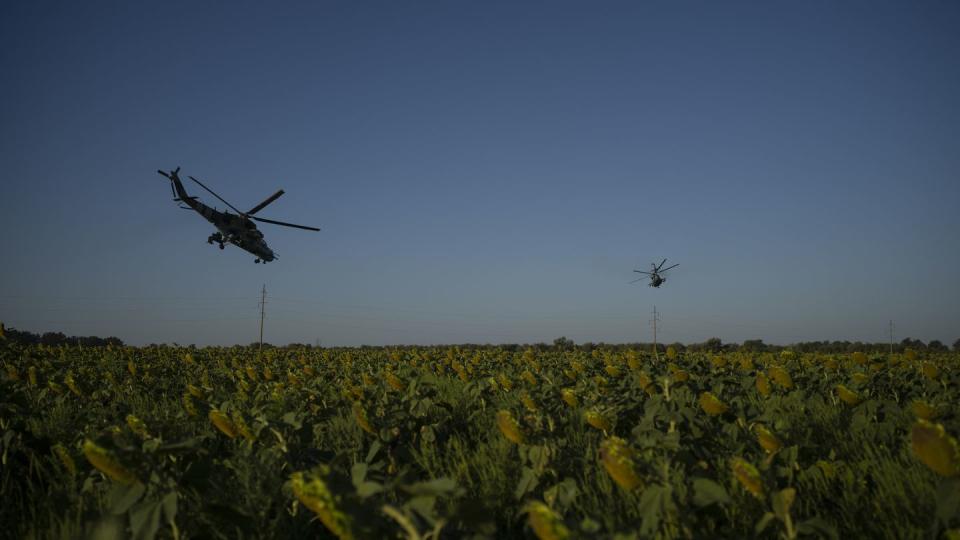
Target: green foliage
(385, 443)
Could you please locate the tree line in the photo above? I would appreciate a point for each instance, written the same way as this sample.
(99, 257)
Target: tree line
(56, 338)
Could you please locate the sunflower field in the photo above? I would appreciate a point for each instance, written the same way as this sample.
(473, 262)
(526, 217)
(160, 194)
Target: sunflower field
(444, 442)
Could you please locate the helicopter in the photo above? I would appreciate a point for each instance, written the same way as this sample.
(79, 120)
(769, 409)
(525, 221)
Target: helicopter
(654, 274)
(238, 229)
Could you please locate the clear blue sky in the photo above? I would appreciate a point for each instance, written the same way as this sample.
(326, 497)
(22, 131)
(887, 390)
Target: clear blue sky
(484, 172)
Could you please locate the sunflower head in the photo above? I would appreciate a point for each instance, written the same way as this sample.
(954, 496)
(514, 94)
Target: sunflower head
(644, 380)
(617, 458)
(930, 370)
(64, 456)
(137, 426)
(935, 448)
(189, 406)
(922, 409)
(107, 463)
(712, 405)
(679, 375)
(767, 439)
(394, 381)
(509, 427)
(748, 476)
(360, 415)
(598, 420)
(781, 377)
(848, 396)
(222, 422)
(313, 493)
(528, 402)
(546, 524)
(763, 384)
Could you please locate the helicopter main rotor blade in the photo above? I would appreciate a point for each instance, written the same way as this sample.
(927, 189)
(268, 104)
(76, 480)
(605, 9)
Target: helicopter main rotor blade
(636, 280)
(669, 267)
(661, 264)
(642, 272)
(265, 220)
(215, 195)
(267, 201)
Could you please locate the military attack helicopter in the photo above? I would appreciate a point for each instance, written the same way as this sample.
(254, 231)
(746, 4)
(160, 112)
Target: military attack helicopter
(654, 274)
(238, 229)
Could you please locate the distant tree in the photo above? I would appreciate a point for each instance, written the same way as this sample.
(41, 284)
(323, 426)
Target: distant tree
(937, 346)
(564, 344)
(713, 344)
(956, 345)
(915, 344)
(754, 345)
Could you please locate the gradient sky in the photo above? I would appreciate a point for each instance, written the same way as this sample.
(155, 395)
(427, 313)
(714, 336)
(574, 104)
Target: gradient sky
(484, 172)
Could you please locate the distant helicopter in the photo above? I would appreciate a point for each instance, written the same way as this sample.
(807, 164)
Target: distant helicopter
(238, 229)
(654, 274)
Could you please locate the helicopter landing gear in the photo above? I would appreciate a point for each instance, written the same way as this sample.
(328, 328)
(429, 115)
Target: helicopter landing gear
(216, 237)
(256, 261)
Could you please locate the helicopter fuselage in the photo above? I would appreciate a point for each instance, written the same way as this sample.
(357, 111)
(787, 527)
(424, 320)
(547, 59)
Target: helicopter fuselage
(232, 228)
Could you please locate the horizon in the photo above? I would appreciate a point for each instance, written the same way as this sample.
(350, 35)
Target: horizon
(486, 173)
(903, 344)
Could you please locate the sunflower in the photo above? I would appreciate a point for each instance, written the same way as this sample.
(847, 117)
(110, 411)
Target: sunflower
(936, 449)
(848, 396)
(360, 415)
(763, 384)
(712, 405)
(223, 423)
(598, 420)
(781, 376)
(770, 442)
(748, 476)
(546, 524)
(106, 463)
(922, 409)
(569, 397)
(313, 493)
(509, 426)
(617, 459)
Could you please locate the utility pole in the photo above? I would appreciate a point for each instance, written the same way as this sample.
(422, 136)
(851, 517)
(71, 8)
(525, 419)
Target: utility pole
(656, 317)
(891, 337)
(263, 305)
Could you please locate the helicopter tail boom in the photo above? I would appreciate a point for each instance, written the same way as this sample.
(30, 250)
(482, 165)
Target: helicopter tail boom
(179, 193)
